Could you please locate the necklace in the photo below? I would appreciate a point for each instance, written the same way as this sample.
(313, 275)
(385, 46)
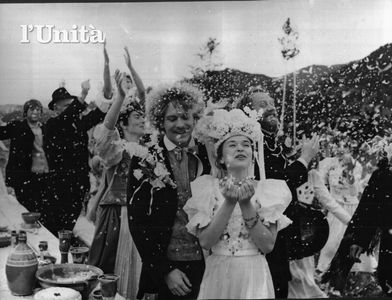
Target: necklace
(268, 137)
(269, 148)
(230, 180)
(273, 150)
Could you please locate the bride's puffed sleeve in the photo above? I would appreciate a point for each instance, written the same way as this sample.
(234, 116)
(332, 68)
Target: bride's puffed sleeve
(272, 197)
(199, 207)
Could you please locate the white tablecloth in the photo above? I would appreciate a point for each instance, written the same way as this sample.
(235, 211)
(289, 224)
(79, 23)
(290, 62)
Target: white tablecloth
(10, 215)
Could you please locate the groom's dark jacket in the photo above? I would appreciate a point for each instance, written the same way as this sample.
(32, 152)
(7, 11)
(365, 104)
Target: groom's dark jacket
(151, 233)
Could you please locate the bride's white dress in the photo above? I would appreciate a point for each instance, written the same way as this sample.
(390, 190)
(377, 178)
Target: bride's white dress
(236, 269)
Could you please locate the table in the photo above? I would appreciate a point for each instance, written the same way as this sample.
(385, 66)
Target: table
(10, 215)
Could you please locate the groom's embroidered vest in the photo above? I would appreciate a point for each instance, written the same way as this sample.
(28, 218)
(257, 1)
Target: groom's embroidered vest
(183, 246)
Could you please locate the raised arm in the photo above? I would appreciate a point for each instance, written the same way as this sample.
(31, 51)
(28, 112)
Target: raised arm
(138, 81)
(114, 111)
(111, 152)
(73, 111)
(85, 89)
(107, 83)
(209, 235)
(310, 148)
(93, 117)
(327, 201)
(262, 235)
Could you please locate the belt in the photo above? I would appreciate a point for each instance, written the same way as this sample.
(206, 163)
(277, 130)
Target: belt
(244, 252)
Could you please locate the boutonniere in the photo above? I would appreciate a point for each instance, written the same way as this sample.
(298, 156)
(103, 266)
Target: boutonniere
(152, 166)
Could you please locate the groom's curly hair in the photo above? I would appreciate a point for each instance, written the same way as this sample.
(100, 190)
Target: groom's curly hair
(183, 95)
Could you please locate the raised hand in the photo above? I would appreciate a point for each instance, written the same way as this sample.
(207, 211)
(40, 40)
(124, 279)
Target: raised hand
(119, 77)
(246, 191)
(85, 86)
(127, 58)
(105, 53)
(310, 147)
(229, 190)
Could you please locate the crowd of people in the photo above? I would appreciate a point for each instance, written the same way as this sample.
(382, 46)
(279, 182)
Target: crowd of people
(201, 200)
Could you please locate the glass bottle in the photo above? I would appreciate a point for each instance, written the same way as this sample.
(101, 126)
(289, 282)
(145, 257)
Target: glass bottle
(20, 268)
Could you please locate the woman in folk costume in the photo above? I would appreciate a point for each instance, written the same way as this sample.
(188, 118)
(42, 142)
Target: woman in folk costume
(234, 216)
(354, 275)
(342, 174)
(116, 139)
(302, 284)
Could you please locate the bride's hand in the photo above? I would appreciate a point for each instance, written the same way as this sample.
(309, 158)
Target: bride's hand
(229, 191)
(246, 191)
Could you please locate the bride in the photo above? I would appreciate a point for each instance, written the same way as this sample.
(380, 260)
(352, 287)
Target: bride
(234, 216)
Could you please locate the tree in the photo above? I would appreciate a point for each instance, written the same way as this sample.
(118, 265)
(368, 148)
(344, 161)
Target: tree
(289, 51)
(209, 57)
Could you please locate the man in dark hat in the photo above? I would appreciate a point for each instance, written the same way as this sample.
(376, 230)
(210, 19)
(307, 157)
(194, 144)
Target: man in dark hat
(277, 167)
(27, 167)
(66, 145)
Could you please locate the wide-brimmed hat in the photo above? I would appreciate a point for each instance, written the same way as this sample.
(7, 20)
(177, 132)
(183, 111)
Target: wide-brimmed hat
(58, 95)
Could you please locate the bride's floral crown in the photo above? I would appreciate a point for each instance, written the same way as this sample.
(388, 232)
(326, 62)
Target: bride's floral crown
(220, 124)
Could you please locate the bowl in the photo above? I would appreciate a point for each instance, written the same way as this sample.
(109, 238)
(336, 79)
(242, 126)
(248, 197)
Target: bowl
(5, 239)
(30, 217)
(80, 277)
(97, 295)
(57, 293)
(52, 259)
(79, 254)
(48, 259)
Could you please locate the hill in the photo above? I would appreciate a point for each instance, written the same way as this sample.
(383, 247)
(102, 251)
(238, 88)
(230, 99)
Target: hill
(355, 98)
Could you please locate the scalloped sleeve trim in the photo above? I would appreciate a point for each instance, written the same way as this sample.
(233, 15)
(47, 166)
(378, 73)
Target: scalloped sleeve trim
(273, 196)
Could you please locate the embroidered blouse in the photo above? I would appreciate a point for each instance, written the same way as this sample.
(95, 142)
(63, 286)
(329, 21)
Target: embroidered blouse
(271, 199)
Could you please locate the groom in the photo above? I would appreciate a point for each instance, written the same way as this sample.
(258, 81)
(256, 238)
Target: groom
(173, 262)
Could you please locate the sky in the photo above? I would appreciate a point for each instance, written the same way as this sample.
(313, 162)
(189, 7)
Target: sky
(164, 37)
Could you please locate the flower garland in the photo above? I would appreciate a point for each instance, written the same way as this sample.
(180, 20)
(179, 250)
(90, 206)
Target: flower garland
(181, 93)
(151, 165)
